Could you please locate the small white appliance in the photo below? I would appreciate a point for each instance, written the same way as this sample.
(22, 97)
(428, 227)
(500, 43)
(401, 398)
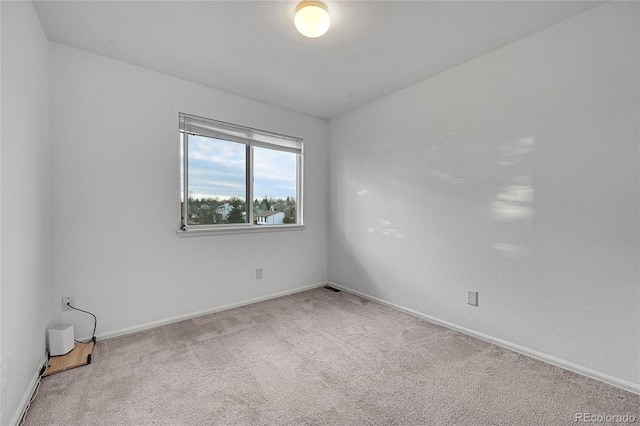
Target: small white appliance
(60, 339)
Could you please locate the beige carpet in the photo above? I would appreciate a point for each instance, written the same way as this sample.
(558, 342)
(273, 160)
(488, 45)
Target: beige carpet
(316, 358)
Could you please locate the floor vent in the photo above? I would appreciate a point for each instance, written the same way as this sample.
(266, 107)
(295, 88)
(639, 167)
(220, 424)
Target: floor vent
(328, 287)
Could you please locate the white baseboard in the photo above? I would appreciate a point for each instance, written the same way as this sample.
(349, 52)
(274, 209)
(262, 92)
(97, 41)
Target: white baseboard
(611, 380)
(24, 403)
(153, 324)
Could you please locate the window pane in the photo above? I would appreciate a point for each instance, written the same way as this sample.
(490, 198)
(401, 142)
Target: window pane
(217, 181)
(274, 190)
(181, 171)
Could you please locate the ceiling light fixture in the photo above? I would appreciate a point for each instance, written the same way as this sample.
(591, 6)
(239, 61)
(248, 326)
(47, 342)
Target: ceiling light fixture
(312, 18)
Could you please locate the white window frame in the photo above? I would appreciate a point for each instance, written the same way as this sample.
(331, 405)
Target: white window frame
(191, 124)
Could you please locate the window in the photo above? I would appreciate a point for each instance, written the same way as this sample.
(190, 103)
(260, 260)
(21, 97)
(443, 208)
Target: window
(236, 178)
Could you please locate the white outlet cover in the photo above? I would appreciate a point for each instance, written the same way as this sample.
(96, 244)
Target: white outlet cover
(65, 300)
(472, 297)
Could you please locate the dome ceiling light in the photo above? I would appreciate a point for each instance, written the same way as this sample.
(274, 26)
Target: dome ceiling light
(312, 18)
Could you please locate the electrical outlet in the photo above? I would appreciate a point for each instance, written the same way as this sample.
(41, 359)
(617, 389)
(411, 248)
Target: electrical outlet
(259, 274)
(472, 297)
(65, 300)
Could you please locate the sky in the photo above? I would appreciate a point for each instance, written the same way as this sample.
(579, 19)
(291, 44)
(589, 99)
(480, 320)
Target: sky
(217, 170)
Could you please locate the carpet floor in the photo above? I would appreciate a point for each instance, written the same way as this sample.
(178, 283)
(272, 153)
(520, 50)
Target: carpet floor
(316, 358)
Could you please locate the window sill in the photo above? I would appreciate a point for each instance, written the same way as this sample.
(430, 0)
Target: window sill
(237, 230)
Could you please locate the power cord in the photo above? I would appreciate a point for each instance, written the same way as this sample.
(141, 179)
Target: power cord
(95, 324)
(35, 391)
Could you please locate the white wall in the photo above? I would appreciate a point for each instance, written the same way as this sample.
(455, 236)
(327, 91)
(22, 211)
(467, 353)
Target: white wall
(116, 199)
(516, 175)
(26, 211)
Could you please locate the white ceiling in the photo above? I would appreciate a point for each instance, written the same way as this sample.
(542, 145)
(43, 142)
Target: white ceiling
(252, 49)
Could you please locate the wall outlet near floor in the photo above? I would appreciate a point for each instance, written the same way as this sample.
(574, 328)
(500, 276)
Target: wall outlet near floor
(472, 297)
(259, 274)
(65, 300)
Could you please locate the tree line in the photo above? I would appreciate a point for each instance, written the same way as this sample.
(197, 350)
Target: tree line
(206, 210)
